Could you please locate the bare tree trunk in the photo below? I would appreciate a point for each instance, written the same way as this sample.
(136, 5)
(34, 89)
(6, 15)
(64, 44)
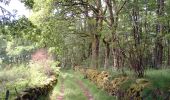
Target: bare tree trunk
(114, 58)
(159, 29)
(137, 58)
(158, 52)
(96, 37)
(107, 53)
(95, 51)
(168, 60)
(119, 59)
(112, 21)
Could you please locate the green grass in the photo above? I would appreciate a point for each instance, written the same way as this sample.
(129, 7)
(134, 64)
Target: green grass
(16, 77)
(159, 79)
(97, 93)
(72, 89)
(71, 92)
(20, 77)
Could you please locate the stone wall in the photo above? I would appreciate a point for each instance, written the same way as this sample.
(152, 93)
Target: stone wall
(33, 93)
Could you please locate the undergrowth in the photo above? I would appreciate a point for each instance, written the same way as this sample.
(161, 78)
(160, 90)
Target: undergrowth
(19, 77)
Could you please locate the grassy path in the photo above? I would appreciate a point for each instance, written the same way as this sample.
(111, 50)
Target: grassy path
(85, 90)
(72, 86)
(62, 88)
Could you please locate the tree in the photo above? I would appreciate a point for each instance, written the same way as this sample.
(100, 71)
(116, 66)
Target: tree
(104, 31)
(160, 31)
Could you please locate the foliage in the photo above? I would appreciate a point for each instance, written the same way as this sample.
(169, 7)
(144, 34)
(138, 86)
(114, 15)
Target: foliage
(11, 78)
(21, 77)
(28, 3)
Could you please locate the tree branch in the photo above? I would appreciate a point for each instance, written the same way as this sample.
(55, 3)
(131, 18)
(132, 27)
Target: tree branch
(121, 7)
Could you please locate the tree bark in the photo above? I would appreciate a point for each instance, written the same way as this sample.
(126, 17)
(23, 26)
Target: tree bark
(95, 51)
(107, 53)
(159, 29)
(168, 60)
(137, 58)
(112, 22)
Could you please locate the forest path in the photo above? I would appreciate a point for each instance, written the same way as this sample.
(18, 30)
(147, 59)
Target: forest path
(68, 88)
(72, 86)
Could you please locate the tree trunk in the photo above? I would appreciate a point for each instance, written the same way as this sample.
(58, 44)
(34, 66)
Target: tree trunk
(137, 58)
(114, 59)
(168, 60)
(107, 53)
(118, 59)
(95, 52)
(159, 29)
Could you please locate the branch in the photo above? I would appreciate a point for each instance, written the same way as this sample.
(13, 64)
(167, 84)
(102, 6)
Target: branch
(109, 24)
(121, 7)
(104, 12)
(80, 3)
(6, 2)
(109, 4)
(82, 34)
(121, 49)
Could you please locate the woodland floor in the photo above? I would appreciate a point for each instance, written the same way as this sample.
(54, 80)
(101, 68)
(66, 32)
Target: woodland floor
(72, 86)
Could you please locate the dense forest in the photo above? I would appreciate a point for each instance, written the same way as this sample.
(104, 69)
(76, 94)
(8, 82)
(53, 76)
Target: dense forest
(127, 38)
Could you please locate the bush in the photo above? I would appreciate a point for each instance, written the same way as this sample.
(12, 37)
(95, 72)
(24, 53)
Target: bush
(23, 76)
(15, 77)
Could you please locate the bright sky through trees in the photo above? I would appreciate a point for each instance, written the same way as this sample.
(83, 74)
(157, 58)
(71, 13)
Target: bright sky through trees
(17, 5)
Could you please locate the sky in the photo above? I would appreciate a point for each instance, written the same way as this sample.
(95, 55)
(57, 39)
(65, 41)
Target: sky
(17, 5)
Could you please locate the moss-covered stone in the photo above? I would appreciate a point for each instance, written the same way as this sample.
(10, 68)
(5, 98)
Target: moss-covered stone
(34, 92)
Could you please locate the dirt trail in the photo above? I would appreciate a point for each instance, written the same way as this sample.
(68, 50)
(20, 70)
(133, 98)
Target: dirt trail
(85, 90)
(62, 89)
(70, 87)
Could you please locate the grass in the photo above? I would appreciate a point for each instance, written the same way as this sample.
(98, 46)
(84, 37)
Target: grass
(160, 79)
(20, 77)
(72, 89)
(97, 93)
(71, 92)
(16, 77)
(157, 78)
